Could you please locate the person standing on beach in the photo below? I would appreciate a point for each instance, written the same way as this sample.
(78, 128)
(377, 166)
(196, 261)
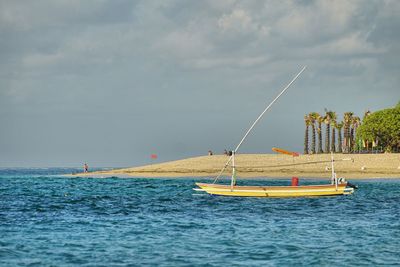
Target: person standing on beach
(85, 168)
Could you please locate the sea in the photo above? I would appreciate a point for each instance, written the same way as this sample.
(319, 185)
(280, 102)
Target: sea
(47, 219)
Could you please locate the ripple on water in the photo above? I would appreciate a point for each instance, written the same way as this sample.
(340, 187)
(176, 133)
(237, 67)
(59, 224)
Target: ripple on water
(47, 220)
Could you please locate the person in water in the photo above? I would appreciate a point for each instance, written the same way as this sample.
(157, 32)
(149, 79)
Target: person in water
(85, 168)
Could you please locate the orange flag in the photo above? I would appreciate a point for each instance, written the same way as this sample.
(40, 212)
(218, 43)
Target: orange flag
(282, 151)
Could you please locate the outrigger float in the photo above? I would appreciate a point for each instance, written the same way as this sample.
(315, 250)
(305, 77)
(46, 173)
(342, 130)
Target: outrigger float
(338, 186)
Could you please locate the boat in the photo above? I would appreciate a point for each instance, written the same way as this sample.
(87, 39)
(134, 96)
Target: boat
(276, 191)
(336, 187)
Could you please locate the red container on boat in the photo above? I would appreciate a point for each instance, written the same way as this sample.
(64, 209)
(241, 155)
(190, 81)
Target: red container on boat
(295, 181)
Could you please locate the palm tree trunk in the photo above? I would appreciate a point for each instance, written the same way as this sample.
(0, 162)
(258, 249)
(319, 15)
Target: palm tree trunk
(328, 130)
(333, 145)
(313, 139)
(346, 138)
(320, 138)
(355, 145)
(340, 150)
(306, 141)
(352, 140)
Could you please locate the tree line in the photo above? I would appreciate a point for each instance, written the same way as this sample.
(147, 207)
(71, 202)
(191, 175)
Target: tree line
(334, 140)
(379, 131)
(382, 129)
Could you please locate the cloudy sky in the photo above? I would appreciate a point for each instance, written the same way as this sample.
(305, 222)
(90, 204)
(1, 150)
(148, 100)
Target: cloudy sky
(112, 82)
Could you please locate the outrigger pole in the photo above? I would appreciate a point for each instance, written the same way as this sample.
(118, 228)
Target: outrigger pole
(251, 128)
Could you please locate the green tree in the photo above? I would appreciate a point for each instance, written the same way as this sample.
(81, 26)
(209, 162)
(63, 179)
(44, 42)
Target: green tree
(383, 127)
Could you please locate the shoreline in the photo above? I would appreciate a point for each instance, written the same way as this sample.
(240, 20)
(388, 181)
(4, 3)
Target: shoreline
(354, 166)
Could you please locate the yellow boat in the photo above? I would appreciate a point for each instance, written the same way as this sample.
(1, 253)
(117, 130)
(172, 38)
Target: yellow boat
(276, 191)
(338, 186)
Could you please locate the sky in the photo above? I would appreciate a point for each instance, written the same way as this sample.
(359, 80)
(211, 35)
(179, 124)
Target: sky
(112, 82)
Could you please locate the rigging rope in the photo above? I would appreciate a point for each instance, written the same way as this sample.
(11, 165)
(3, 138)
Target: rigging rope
(255, 122)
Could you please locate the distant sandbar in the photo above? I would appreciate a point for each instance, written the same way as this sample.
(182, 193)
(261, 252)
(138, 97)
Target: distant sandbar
(268, 165)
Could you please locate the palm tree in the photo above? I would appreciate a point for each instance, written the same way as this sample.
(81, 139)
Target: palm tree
(355, 123)
(333, 140)
(347, 118)
(320, 120)
(327, 121)
(366, 114)
(333, 126)
(339, 127)
(307, 122)
(313, 117)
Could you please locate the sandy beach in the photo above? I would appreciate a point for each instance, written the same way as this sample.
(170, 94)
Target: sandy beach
(268, 165)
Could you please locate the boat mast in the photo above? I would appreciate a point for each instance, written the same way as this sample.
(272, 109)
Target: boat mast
(233, 178)
(267, 108)
(334, 179)
(254, 124)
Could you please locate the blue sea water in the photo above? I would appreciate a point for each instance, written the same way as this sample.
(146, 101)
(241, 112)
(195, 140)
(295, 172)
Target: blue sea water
(50, 220)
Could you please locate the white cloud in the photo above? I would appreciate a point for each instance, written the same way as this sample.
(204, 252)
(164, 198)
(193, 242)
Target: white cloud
(319, 21)
(352, 45)
(237, 20)
(102, 56)
(232, 62)
(389, 8)
(22, 15)
(42, 60)
(241, 22)
(183, 45)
